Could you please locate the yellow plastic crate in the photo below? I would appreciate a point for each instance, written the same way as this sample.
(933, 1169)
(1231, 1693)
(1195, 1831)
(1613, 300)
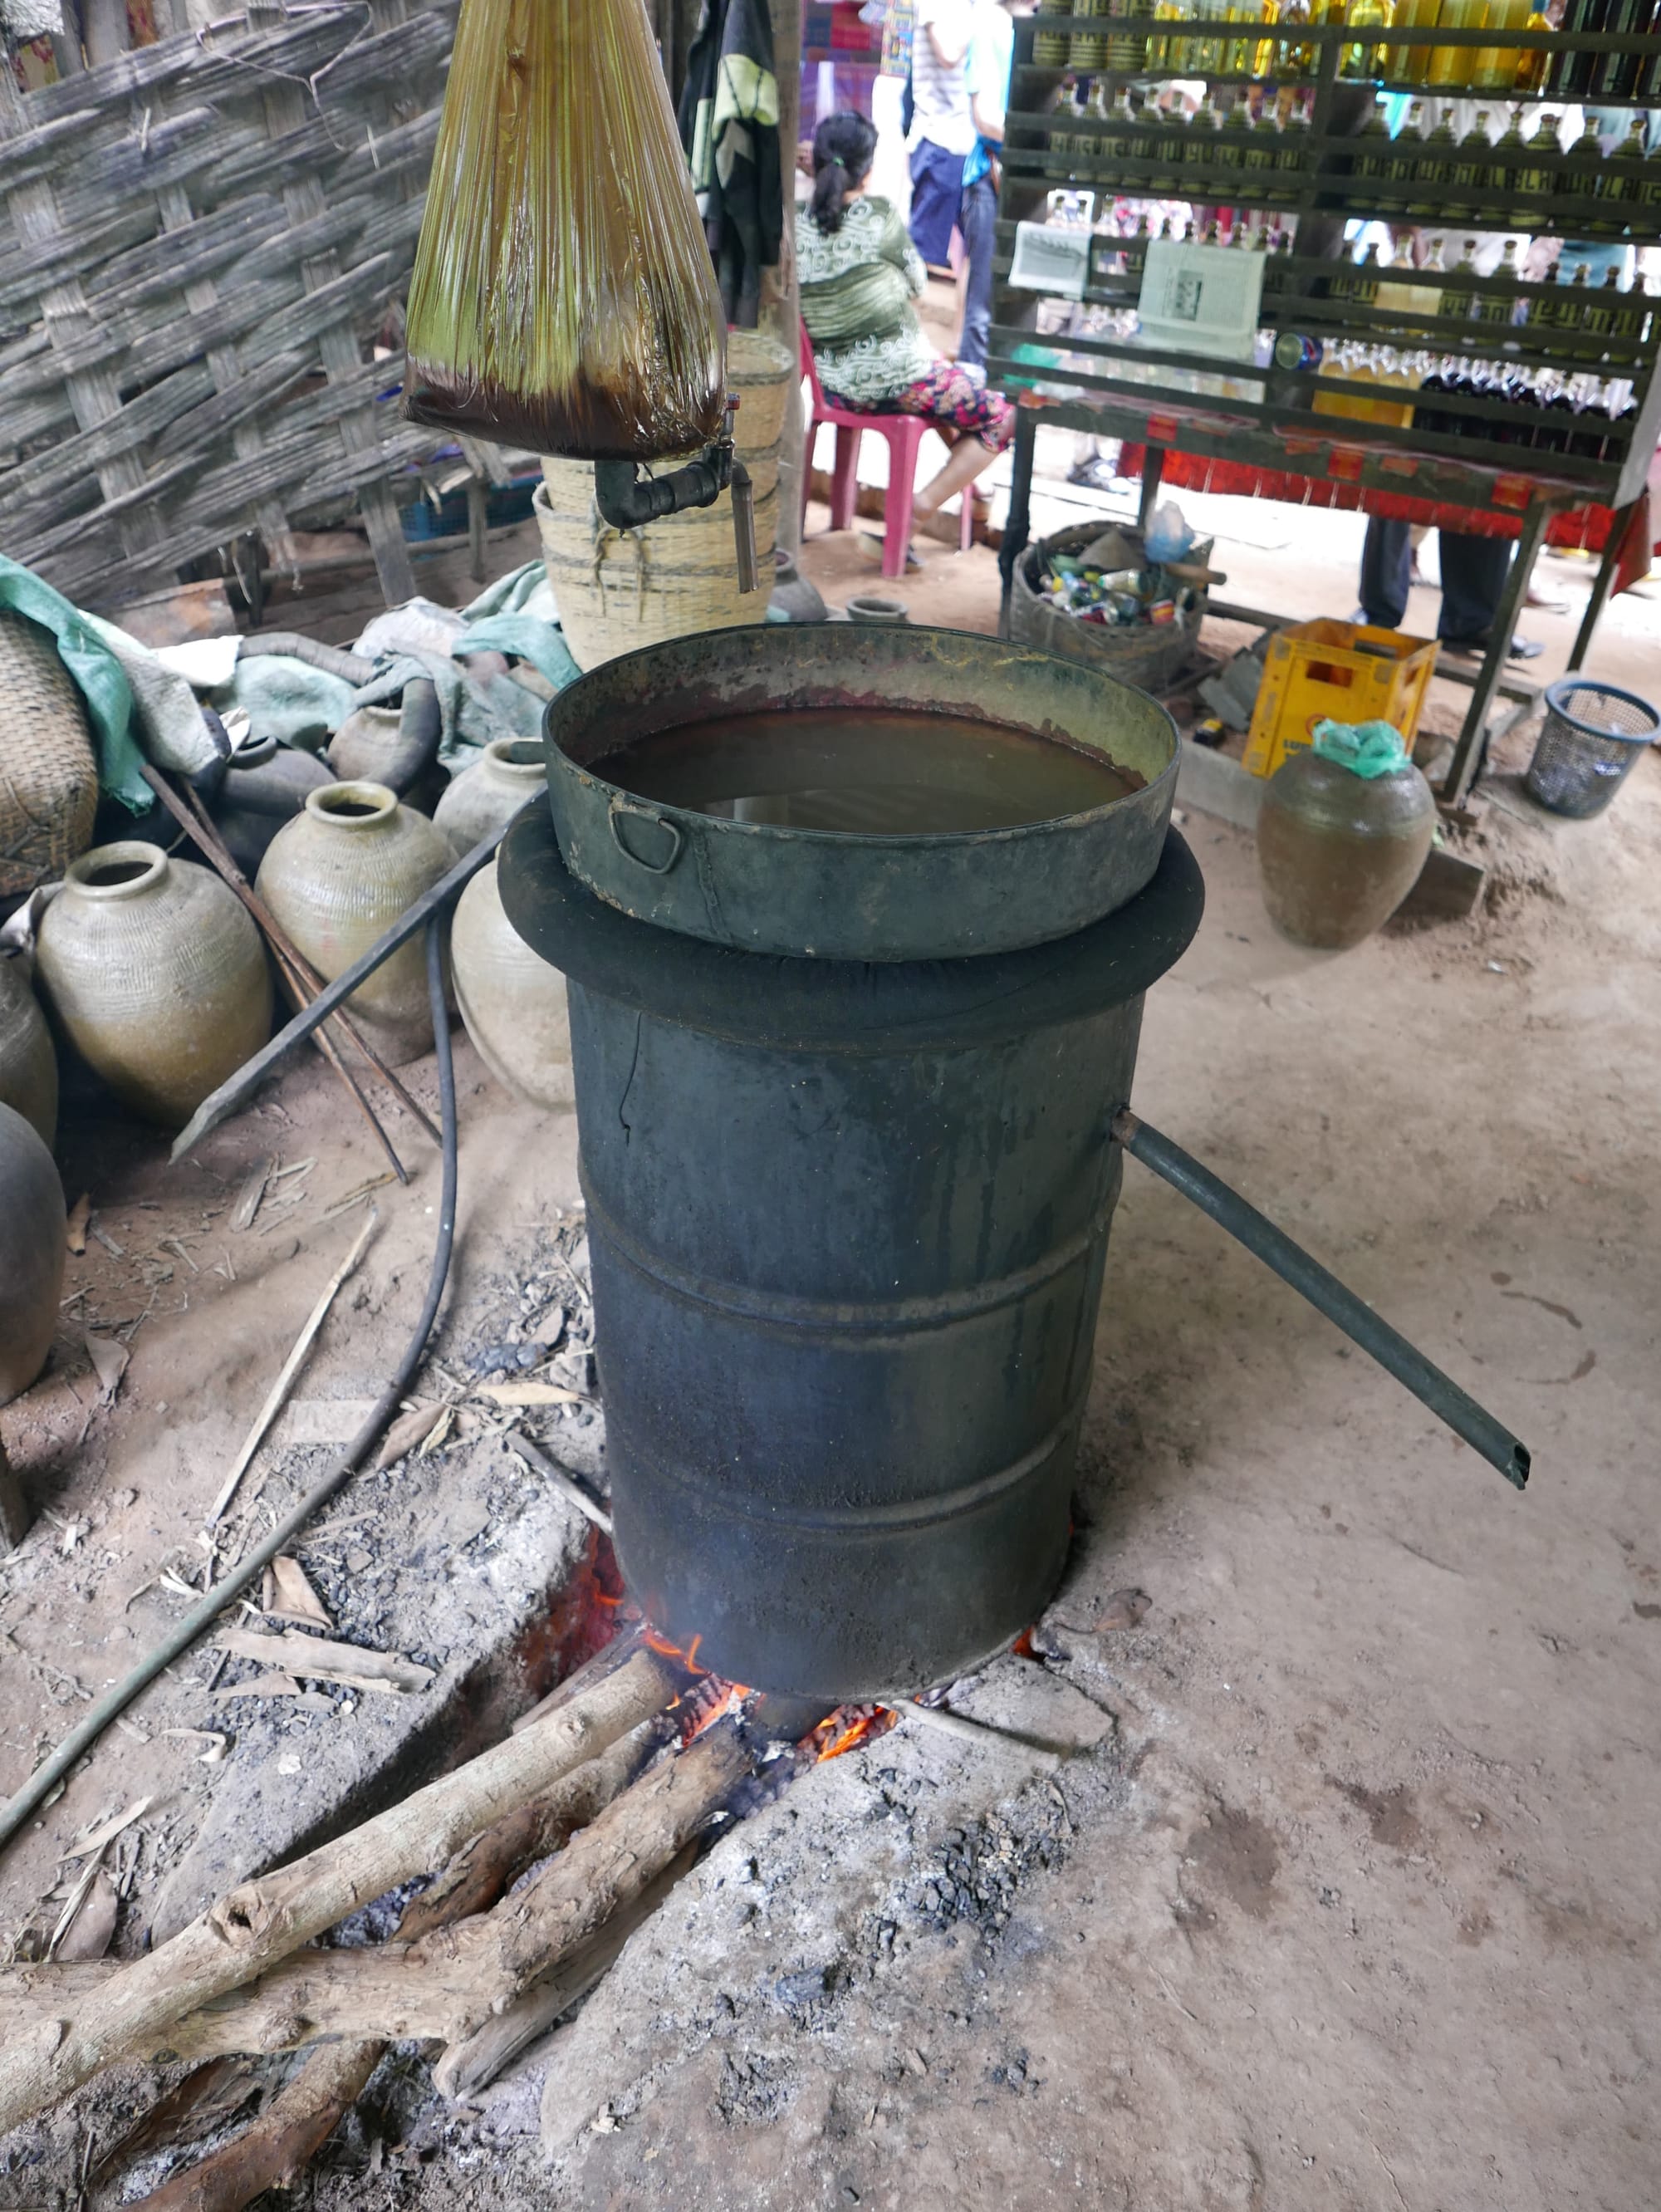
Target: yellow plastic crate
(1342, 671)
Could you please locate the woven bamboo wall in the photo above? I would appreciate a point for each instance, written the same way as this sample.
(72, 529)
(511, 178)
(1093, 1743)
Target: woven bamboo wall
(200, 238)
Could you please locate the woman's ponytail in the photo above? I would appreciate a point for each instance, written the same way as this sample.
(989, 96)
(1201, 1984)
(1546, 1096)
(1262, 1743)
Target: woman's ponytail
(844, 148)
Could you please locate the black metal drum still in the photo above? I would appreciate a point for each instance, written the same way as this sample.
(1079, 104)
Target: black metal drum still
(849, 1218)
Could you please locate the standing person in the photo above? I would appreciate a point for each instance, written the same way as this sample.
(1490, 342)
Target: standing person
(859, 274)
(944, 133)
(986, 73)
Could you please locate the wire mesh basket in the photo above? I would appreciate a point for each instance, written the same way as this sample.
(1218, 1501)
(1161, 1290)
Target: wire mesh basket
(1593, 733)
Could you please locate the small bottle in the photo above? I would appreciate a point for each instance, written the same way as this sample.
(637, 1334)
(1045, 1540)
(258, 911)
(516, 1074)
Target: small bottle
(1461, 303)
(1294, 140)
(1615, 76)
(1262, 152)
(1471, 170)
(1544, 141)
(1572, 309)
(1411, 63)
(1199, 150)
(1435, 170)
(1232, 136)
(1409, 149)
(1570, 73)
(1293, 58)
(1625, 177)
(1364, 286)
(1373, 146)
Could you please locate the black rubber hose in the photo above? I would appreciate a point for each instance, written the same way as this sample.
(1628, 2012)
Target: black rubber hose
(213, 1601)
(289, 645)
(421, 726)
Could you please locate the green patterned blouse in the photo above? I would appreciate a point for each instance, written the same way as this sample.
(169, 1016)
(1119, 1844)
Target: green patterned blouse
(857, 285)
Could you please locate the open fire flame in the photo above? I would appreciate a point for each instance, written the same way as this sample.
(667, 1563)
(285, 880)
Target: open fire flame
(847, 1728)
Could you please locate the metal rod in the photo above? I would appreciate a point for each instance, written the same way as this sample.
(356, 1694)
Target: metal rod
(1472, 749)
(1306, 1276)
(1601, 589)
(230, 1094)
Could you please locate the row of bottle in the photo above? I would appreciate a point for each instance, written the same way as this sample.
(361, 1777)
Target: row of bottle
(1270, 149)
(1591, 316)
(1131, 42)
(1591, 417)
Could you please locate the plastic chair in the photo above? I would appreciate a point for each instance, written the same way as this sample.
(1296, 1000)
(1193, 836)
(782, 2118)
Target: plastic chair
(905, 435)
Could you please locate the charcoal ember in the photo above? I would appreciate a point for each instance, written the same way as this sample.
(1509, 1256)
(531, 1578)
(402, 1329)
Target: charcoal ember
(802, 1988)
(499, 1358)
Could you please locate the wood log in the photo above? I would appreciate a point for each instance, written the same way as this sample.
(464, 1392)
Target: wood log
(447, 1985)
(275, 2147)
(281, 2143)
(139, 2010)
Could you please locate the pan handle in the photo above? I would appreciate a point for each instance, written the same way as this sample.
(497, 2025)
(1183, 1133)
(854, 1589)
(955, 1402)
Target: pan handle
(1352, 1314)
(658, 821)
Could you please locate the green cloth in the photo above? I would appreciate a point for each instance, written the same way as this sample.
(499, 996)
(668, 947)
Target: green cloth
(99, 676)
(1366, 749)
(857, 284)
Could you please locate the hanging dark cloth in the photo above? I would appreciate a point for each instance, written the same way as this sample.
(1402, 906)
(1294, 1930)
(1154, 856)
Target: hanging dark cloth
(729, 124)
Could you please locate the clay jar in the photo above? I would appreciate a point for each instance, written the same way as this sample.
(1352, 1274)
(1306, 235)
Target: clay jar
(1337, 852)
(265, 785)
(512, 1000)
(29, 1065)
(156, 975)
(487, 796)
(338, 877)
(32, 1244)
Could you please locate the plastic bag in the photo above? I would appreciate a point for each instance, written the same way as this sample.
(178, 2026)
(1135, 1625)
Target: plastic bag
(1170, 534)
(563, 298)
(1367, 749)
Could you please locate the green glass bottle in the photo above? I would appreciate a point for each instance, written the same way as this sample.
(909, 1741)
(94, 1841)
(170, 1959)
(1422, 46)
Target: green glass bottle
(1510, 151)
(1290, 167)
(1459, 303)
(1625, 177)
(1543, 182)
(1373, 146)
(1470, 172)
(1408, 150)
(1435, 171)
(1262, 153)
(1362, 60)
(1232, 136)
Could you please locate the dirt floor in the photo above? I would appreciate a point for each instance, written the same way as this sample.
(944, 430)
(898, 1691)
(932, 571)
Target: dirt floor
(1347, 1897)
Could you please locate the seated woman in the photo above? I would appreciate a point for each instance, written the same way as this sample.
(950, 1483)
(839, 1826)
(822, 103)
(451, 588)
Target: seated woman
(859, 273)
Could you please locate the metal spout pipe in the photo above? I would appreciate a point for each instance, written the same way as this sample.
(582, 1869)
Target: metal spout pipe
(628, 501)
(1352, 1314)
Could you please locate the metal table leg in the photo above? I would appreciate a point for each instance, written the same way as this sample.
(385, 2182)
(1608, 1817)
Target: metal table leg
(1602, 589)
(1468, 754)
(1018, 527)
(1153, 471)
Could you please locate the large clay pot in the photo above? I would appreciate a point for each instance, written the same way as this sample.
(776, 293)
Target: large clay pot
(1337, 852)
(156, 975)
(487, 795)
(32, 1242)
(792, 591)
(338, 877)
(29, 1065)
(512, 1000)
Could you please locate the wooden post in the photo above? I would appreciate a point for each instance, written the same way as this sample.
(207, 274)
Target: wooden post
(781, 307)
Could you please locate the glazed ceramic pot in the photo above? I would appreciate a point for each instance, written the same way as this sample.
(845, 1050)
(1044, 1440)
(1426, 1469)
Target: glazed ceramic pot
(338, 877)
(29, 1065)
(512, 1000)
(32, 1242)
(156, 975)
(1337, 852)
(487, 795)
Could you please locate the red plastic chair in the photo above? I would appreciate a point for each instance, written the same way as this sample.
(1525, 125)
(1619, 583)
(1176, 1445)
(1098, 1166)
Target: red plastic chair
(905, 435)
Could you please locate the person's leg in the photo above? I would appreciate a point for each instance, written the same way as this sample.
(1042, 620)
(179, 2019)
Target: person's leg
(1473, 572)
(967, 457)
(980, 227)
(1386, 561)
(955, 396)
(937, 198)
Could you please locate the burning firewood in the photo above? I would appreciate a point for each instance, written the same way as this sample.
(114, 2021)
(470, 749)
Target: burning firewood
(64, 2030)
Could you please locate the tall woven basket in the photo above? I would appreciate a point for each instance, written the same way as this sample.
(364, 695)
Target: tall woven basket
(759, 369)
(618, 589)
(48, 773)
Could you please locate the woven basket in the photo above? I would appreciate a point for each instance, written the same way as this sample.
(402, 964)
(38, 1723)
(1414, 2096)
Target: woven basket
(48, 773)
(759, 371)
(1143, 654)
(619, 589)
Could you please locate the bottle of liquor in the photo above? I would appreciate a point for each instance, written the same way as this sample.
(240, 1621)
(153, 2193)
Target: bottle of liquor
(1362, 59)
(1598, 320)
(1494, 68)
(1649, 184)
(1571, 73)
(1616, 76)
(1199, 150)
(1293, 58)
(1262, 153)
(1460, 303)
(1452, 65)
(1364, 286)
(1470, 172)
(1500, 307)
(1435, 170)
(1547, 314)
(1127, 38)
(1533, 61)
(1412, 64)
(1572, 308)
(1231, 136)
(1373, 147)
(1409, 148)
(1539, 181)
(1510, 152)
(1624, 177)
(1294, 142)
